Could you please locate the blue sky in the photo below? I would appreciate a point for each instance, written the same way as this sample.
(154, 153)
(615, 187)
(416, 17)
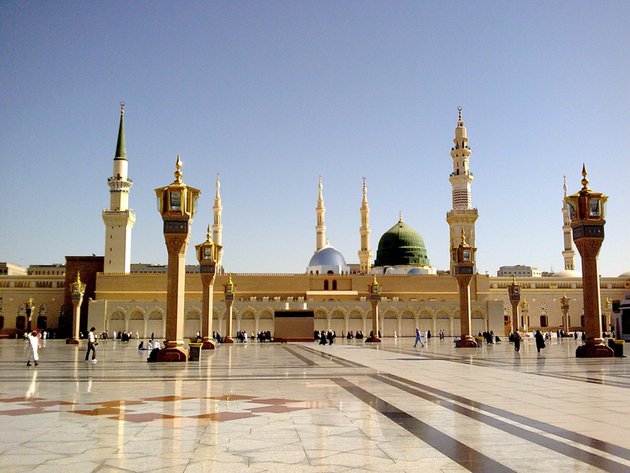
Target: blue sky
(272, 95)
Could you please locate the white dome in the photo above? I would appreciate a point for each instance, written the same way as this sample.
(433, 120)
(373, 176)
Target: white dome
(327, 260)
(625, 275)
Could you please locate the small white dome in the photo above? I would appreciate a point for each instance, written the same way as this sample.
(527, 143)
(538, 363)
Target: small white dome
(327, 260)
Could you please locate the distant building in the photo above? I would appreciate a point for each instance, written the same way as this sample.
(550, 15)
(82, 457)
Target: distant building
(10, 269)
(519, 271)
(46, 270)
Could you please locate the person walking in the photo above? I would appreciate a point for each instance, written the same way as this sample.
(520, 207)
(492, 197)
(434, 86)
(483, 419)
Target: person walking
(540, 341)
(33, 347)
(517, 340)
(418, 339)
(91, 346)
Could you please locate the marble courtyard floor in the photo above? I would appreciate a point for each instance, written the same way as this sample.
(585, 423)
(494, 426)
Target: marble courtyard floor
(310, 408)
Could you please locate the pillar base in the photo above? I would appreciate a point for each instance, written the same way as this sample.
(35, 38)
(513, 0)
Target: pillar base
(72, 341)
(175, 353)
(208, 344)
(594, 349)
(373, 339)
(227, 340)
(466, 341)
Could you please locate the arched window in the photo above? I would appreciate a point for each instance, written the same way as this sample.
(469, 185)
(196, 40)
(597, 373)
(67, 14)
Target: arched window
(544, 322)
(325, 284)
(334, 285)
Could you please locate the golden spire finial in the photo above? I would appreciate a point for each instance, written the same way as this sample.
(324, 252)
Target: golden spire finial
(584, 178)
(513, 279)
(208, 235)
(460, 120)
(374, 281)
(400, 219)
(178, 169)
(122, 108)
(78, 280)
(463, 237)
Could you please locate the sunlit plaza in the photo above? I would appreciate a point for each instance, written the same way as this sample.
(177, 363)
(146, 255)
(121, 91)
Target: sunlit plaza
(351, 406)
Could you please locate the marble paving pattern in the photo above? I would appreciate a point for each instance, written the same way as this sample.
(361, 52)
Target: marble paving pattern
(302, 407)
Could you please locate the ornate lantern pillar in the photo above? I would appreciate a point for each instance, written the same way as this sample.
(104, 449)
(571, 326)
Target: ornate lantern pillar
(207, 255)
(375, 298)
(564, 307)
(464, 259)
(177, 204)
(525, 315)
(514, 291)
(228, 292)
(586, 210)
(29, 315)
(77, 292)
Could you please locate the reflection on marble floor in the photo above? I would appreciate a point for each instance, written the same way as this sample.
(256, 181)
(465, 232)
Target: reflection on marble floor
(348, 407)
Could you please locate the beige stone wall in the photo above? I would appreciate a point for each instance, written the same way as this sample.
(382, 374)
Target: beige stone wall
(137, 301)
(15, 292)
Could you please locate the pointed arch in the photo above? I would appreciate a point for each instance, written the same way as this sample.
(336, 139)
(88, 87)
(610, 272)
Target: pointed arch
(338, 313)
(321, 313)
(408, 313)
(391, 313)
(248, 313)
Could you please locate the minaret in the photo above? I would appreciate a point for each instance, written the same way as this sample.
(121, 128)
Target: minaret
(320, 228)
(568, 253)
(119, 219)
(217, 227)
(462, 217)
(365, 254)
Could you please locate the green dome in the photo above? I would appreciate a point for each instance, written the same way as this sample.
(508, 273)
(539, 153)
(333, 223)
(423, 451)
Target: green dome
(401, 245)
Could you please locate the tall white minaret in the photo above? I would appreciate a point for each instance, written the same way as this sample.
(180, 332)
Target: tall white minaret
(462, 217)
(568, 254)
(320, 228)
(365, 254)
(217, 227)
(119, 219)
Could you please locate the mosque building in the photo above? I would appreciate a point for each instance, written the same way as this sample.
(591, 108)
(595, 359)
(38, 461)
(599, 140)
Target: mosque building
(121, 296)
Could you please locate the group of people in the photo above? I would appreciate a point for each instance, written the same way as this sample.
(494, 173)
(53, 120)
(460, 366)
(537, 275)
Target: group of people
(123, 336)
(325, 336)
(418, 338)
(358, 335)
(490, 337)
(538, 336)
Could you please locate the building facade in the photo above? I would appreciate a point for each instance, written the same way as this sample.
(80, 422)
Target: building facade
(121, 296)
